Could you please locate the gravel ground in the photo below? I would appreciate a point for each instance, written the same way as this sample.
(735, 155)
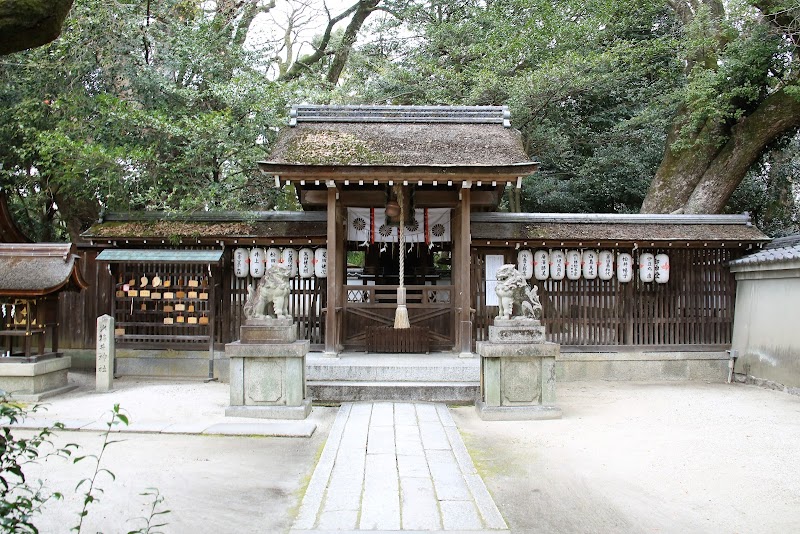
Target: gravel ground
(665, 457)
(626, 457)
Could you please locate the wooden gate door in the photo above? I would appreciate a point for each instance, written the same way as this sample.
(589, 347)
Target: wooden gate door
(429, 307)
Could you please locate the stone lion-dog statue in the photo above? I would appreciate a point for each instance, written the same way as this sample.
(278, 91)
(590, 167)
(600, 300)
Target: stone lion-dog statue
(513, 291)
(270, 299)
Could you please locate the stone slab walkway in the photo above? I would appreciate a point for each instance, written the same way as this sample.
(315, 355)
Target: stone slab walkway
(396, 467)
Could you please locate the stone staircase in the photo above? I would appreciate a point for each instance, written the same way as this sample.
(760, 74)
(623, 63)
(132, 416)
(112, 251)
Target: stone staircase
(435, 377)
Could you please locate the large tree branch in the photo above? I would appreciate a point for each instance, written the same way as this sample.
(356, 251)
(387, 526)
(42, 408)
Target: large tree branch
(681, 169)
(784, 15)
(777, 115)
(252, 9)
(365, 8)
(301, 65)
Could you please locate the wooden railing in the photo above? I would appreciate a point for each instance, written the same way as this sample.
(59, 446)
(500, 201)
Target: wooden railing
(429, 307)
(363, 294)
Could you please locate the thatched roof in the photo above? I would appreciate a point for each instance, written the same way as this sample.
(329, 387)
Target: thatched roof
(587, 228)
(385, 143)
(38, 269)
(218, 225)
(399, 144)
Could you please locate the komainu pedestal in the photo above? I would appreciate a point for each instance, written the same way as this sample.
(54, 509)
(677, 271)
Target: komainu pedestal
(518, 367)
(268, 371)
(518, 372)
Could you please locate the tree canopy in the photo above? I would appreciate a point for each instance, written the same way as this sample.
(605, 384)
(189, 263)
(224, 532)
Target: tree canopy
(658, 105)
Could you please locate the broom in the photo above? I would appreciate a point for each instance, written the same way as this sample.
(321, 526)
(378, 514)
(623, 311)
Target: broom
(401, 313)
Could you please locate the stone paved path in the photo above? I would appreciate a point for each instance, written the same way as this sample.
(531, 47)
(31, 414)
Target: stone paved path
(396, 466)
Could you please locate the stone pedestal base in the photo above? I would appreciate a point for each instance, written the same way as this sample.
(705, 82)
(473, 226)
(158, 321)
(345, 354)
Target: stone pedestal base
(35, 378)
(268, 372)
(271, 412)
(517, 413)
(518, 377)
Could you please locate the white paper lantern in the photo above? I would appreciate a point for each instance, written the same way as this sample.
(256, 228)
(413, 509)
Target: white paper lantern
(605, 265)
(662, 268)
(289, 259)
(647, 267)
(541, 264)
(305, 263)
(257, 262)
(321, 262)
(240, 260)
(525, 263)
(589, 264)
(625, 267)
(574, 264)
(273, 256)
(558, 265)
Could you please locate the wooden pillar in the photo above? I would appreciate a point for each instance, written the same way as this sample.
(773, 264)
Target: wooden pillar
(335, 274)
(461, 277)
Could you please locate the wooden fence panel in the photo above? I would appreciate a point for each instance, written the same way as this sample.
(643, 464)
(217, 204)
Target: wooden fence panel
(695, 307)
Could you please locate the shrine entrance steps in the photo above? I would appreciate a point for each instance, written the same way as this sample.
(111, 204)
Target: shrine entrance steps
(359, 376)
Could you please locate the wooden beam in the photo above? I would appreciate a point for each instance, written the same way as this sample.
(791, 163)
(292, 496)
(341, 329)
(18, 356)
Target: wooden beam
(331, 333)
(340, 272)
(508, 173)
(371, 199)
(461, 273)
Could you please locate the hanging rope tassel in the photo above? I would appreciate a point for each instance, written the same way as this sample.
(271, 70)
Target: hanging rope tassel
(401, 313)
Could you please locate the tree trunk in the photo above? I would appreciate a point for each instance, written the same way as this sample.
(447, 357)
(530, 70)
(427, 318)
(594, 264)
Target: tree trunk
(31, 23)
(365, 8)
(702, 178)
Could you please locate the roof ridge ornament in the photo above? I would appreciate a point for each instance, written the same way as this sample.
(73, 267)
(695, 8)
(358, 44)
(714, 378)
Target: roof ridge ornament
(400, 114)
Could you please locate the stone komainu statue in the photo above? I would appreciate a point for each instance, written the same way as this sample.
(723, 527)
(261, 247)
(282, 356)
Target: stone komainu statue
(514, 294)
(270, 298)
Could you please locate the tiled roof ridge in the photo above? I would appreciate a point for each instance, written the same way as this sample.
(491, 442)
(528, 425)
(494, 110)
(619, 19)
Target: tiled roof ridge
(396, 114)
(770, 255)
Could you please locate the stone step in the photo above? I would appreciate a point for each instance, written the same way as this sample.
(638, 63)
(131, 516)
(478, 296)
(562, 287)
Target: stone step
(421, 368)
(427, 391)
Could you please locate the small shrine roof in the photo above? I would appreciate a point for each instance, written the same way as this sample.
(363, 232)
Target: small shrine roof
(173, 228)
(160, 256)
(624, 228)
(425, 141)
(38, 269)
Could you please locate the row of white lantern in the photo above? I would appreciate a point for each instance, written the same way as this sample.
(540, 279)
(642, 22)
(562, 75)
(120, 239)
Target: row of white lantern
(305, 262)
(591, 264)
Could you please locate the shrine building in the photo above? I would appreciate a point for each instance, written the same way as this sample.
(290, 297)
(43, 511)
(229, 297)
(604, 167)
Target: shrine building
(626, 296)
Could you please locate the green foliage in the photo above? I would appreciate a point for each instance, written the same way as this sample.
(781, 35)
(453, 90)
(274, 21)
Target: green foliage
(734, 63)
(92, 490)
(151, 521)
(21, 499)
(588, 86)
(137, 110)
(161, 106)
(771, 190)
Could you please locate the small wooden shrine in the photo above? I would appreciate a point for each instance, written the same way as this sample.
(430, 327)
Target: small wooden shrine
(365, 165)
(32, 276)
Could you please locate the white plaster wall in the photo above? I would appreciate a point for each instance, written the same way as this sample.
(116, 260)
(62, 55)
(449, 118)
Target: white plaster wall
(766, 327)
